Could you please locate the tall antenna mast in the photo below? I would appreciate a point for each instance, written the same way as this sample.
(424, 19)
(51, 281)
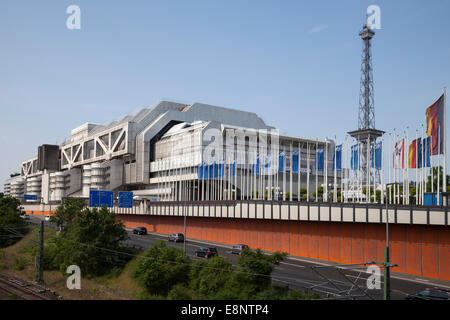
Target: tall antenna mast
(366, 135)
(366, 98)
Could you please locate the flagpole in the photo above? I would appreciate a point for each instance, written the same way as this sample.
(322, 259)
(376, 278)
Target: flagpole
(307, 171)
(439, 165)
(393, 167)
(326, 170)
(417, 166)
(317, 180)
(335, 174)
(444, 176)
(368, 170)
(344, 179)
(360, 180)
(405, 176)
(422, 169)
(299, 172)
(431, 159)
(382, 172)
(290, 173)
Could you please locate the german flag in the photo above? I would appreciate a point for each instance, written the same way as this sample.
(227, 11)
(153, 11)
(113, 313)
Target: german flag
(412, 156)
(435, 124)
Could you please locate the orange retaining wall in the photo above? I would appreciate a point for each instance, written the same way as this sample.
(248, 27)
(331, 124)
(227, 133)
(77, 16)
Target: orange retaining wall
(40, 213)
(418, 250)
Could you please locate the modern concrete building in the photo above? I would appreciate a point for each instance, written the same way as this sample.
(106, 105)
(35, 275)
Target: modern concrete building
(157, 152)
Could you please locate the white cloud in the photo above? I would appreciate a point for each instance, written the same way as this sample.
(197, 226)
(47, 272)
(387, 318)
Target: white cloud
(318, 29)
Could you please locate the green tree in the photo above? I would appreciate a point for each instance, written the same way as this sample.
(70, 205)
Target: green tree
(66, 212)
(93, 242)
(161, 268)
(302, 192)
(320, 193)
(254, 270)
(209, 278)
(435, 179)
(11, 225)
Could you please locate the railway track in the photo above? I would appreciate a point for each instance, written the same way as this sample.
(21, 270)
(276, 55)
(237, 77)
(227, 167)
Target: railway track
(23, 290)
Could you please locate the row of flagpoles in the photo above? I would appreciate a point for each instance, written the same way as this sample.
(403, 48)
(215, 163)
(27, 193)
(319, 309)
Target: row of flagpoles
(272, 176)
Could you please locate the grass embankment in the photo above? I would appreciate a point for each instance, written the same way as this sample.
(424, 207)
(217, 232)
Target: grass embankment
(161, 272)
(19, 259)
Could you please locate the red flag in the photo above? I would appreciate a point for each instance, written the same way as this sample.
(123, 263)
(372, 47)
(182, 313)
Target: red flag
(435, 125)
(412, 154)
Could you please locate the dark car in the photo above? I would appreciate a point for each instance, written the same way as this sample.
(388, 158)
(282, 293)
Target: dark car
(140, 230)
(206, 252)
(237, 249)
(176, 237)
(430, 294)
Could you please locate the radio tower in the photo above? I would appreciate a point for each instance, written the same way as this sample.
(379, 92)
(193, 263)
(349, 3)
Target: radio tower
(366, 134)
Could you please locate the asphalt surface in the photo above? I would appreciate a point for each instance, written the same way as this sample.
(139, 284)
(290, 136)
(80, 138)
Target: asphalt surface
(302, 274)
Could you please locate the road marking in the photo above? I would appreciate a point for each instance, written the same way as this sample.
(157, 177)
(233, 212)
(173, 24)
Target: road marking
(293, 265)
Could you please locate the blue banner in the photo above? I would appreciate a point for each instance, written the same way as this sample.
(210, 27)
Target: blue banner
(200, 170)
(295, 161)
(376, 156)
(337, 158)
(426, 145)
(255, 168)
(320, 158)
(205, 171)
(281, 160)
(221, 169)
(211, 171)
(354, 162)
(233, 169)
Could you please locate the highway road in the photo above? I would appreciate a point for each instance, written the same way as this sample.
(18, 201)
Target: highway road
(303, 274)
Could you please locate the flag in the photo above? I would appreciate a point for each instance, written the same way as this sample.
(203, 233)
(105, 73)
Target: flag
(338, 159)
(255, 166)
(200, 172)
(211, 171)
(399, 154)
(355, 157)
(427, 151)
(376, 156)
(319, 156)
(233, 169)
(205, 171)
(435, 120)
(412, 156)
(419, 153)
(268, 167)
(295, 161)
(281, 160)
(221, 169)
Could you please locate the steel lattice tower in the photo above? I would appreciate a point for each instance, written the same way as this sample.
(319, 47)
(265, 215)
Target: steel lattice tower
(366, 134)
(366, 97)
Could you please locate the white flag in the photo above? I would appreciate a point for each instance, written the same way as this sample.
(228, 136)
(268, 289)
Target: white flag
(399, 154)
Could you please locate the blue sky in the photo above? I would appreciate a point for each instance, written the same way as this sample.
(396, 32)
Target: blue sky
(294, 63)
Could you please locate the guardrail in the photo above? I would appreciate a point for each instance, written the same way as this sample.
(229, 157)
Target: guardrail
(297, 211)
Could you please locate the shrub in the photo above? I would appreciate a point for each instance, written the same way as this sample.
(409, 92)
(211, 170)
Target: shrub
(161, 268)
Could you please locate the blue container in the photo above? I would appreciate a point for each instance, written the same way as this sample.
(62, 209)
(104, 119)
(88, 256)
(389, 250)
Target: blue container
(430, 199)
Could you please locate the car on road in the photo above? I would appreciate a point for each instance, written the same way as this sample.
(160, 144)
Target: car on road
(140, 230)
(206, 252)
(237, 249)
(47, 218)
(176, 237)
(430, 294)
(25, 216)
